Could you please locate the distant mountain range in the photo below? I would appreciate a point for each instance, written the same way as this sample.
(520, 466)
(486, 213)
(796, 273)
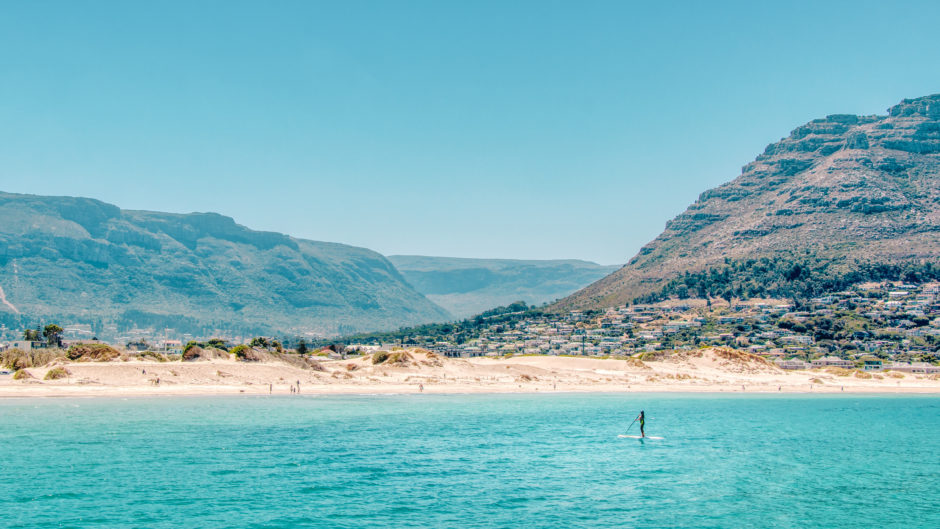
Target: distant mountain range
(466, 287)
(842, 200)
(78, 260)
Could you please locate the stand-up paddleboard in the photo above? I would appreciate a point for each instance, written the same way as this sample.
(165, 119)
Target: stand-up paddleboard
(639, 437)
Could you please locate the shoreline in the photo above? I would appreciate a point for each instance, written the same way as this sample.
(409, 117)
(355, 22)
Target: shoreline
(95, 391)
(105, 393)
(708, 371)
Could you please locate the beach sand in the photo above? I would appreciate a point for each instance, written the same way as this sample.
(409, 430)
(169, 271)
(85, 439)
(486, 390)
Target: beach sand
(703, 370)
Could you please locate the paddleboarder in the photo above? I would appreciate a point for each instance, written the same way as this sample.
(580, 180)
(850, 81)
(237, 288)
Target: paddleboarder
(642, 419)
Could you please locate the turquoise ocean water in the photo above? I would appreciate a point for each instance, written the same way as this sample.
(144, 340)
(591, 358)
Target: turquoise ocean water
(470, 461)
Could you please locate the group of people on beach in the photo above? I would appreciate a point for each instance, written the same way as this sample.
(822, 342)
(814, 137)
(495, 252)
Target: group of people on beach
(293, 388)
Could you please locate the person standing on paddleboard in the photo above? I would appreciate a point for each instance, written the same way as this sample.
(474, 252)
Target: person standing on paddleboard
(642, 419)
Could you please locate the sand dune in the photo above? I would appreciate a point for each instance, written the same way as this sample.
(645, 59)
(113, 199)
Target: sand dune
(704, 370)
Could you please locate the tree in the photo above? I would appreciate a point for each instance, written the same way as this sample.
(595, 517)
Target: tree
(302, 347)
(31, 335)
(53, 334)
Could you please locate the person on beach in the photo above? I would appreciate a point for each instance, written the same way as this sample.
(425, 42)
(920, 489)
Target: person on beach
(642, 419)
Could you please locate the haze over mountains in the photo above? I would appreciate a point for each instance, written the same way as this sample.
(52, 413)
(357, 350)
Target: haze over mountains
(79, 260)
(470, 286)
(844, 197)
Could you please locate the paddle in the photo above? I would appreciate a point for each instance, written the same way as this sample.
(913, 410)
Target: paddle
(631, 425)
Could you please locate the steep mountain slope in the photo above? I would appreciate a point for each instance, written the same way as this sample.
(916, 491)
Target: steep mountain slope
(466, 287)
(80, 260)
(838, 194)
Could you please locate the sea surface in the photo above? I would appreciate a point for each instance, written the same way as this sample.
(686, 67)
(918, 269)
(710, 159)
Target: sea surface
(529, 461)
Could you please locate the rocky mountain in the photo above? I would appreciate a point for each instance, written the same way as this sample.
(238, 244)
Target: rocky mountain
(466, 287)
(841, 198)
(79, 260)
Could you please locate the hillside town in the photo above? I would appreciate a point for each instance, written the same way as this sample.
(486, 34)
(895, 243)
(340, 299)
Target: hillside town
(872, 327)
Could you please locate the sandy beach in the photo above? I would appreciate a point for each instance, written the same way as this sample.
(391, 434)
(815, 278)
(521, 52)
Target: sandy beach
(414, 371)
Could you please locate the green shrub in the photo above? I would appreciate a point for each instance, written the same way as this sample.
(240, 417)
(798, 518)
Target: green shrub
(379, 357)
(217, 344)
(400, 357)
(22, 374)
(57, 373)
(14, 359)
(240, 351)
(191, 352)
(92, 352)
(17, 359)
(154, 355)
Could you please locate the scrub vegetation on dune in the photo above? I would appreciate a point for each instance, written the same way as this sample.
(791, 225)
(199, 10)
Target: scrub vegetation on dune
(396, 358)
(406, 357)
(739, 356)
(17, 359)
(240, 351)
(92, 352)
(151, 355)
(194, 353)
(635, 362)
(400, 358)
(729, 359)
(57, 373)
(379, 357)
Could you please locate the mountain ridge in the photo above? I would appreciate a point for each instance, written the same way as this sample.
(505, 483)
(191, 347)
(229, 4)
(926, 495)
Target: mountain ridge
(469, 286)
(60, 254)
(841, 188)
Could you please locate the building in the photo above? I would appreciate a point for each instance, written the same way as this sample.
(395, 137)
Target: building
(792, 363)
(914, 367)
(873, 365)
(833, 361)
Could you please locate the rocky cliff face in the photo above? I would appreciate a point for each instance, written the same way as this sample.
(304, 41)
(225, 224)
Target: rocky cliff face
(74, 259)
(846, 188)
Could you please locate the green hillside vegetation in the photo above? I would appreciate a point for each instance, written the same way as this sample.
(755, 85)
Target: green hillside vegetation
(793, 277)
(78, 260)
(457, 332)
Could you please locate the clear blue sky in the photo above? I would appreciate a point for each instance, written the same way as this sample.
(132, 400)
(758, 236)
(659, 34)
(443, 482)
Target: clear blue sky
(487, 129)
